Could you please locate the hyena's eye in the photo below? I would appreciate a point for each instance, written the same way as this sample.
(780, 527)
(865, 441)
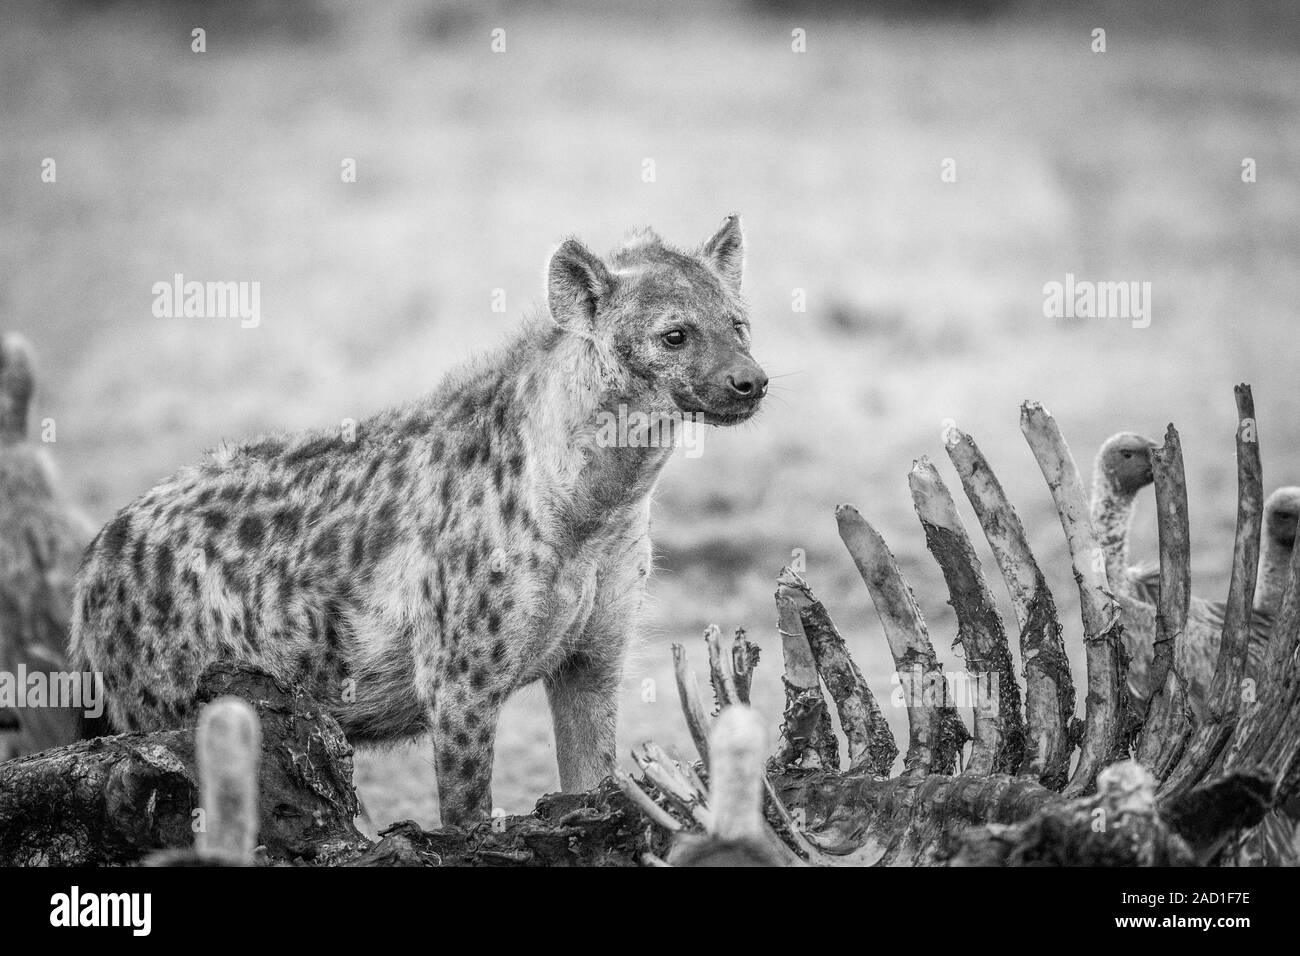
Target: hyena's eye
(674, 338)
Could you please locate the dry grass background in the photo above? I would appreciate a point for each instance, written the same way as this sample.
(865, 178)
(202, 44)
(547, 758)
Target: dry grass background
(924, 298)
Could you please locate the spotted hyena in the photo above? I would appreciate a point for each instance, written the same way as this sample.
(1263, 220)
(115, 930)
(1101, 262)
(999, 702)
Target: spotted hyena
(417, 572)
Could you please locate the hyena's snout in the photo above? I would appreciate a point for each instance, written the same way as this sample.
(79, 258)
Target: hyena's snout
(734, 388)
(744, 380)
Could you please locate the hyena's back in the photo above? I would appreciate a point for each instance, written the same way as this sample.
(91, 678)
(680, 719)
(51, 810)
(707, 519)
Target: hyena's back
(282, 553)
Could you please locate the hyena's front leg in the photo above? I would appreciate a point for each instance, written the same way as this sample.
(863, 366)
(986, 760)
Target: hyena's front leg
(584, 690)
(583, 695)
(465, 714)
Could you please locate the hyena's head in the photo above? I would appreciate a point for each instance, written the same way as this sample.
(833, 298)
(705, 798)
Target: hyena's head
(672, 320)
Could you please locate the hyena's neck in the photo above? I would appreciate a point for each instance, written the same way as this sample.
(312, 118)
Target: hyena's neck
(571, 390)
(1274, 570)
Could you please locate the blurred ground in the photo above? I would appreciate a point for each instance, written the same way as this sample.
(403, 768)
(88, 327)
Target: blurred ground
(924, 299)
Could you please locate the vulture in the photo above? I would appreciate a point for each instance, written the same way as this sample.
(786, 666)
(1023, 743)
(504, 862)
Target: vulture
(41, 542)
(1122, 469)
(1281, 511)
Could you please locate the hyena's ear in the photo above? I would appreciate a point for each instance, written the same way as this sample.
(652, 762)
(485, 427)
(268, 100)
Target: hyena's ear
(726, 252)
(16, 382)
(577, 282)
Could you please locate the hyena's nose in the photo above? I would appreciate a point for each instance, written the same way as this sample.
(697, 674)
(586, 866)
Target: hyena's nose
(747, 381)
